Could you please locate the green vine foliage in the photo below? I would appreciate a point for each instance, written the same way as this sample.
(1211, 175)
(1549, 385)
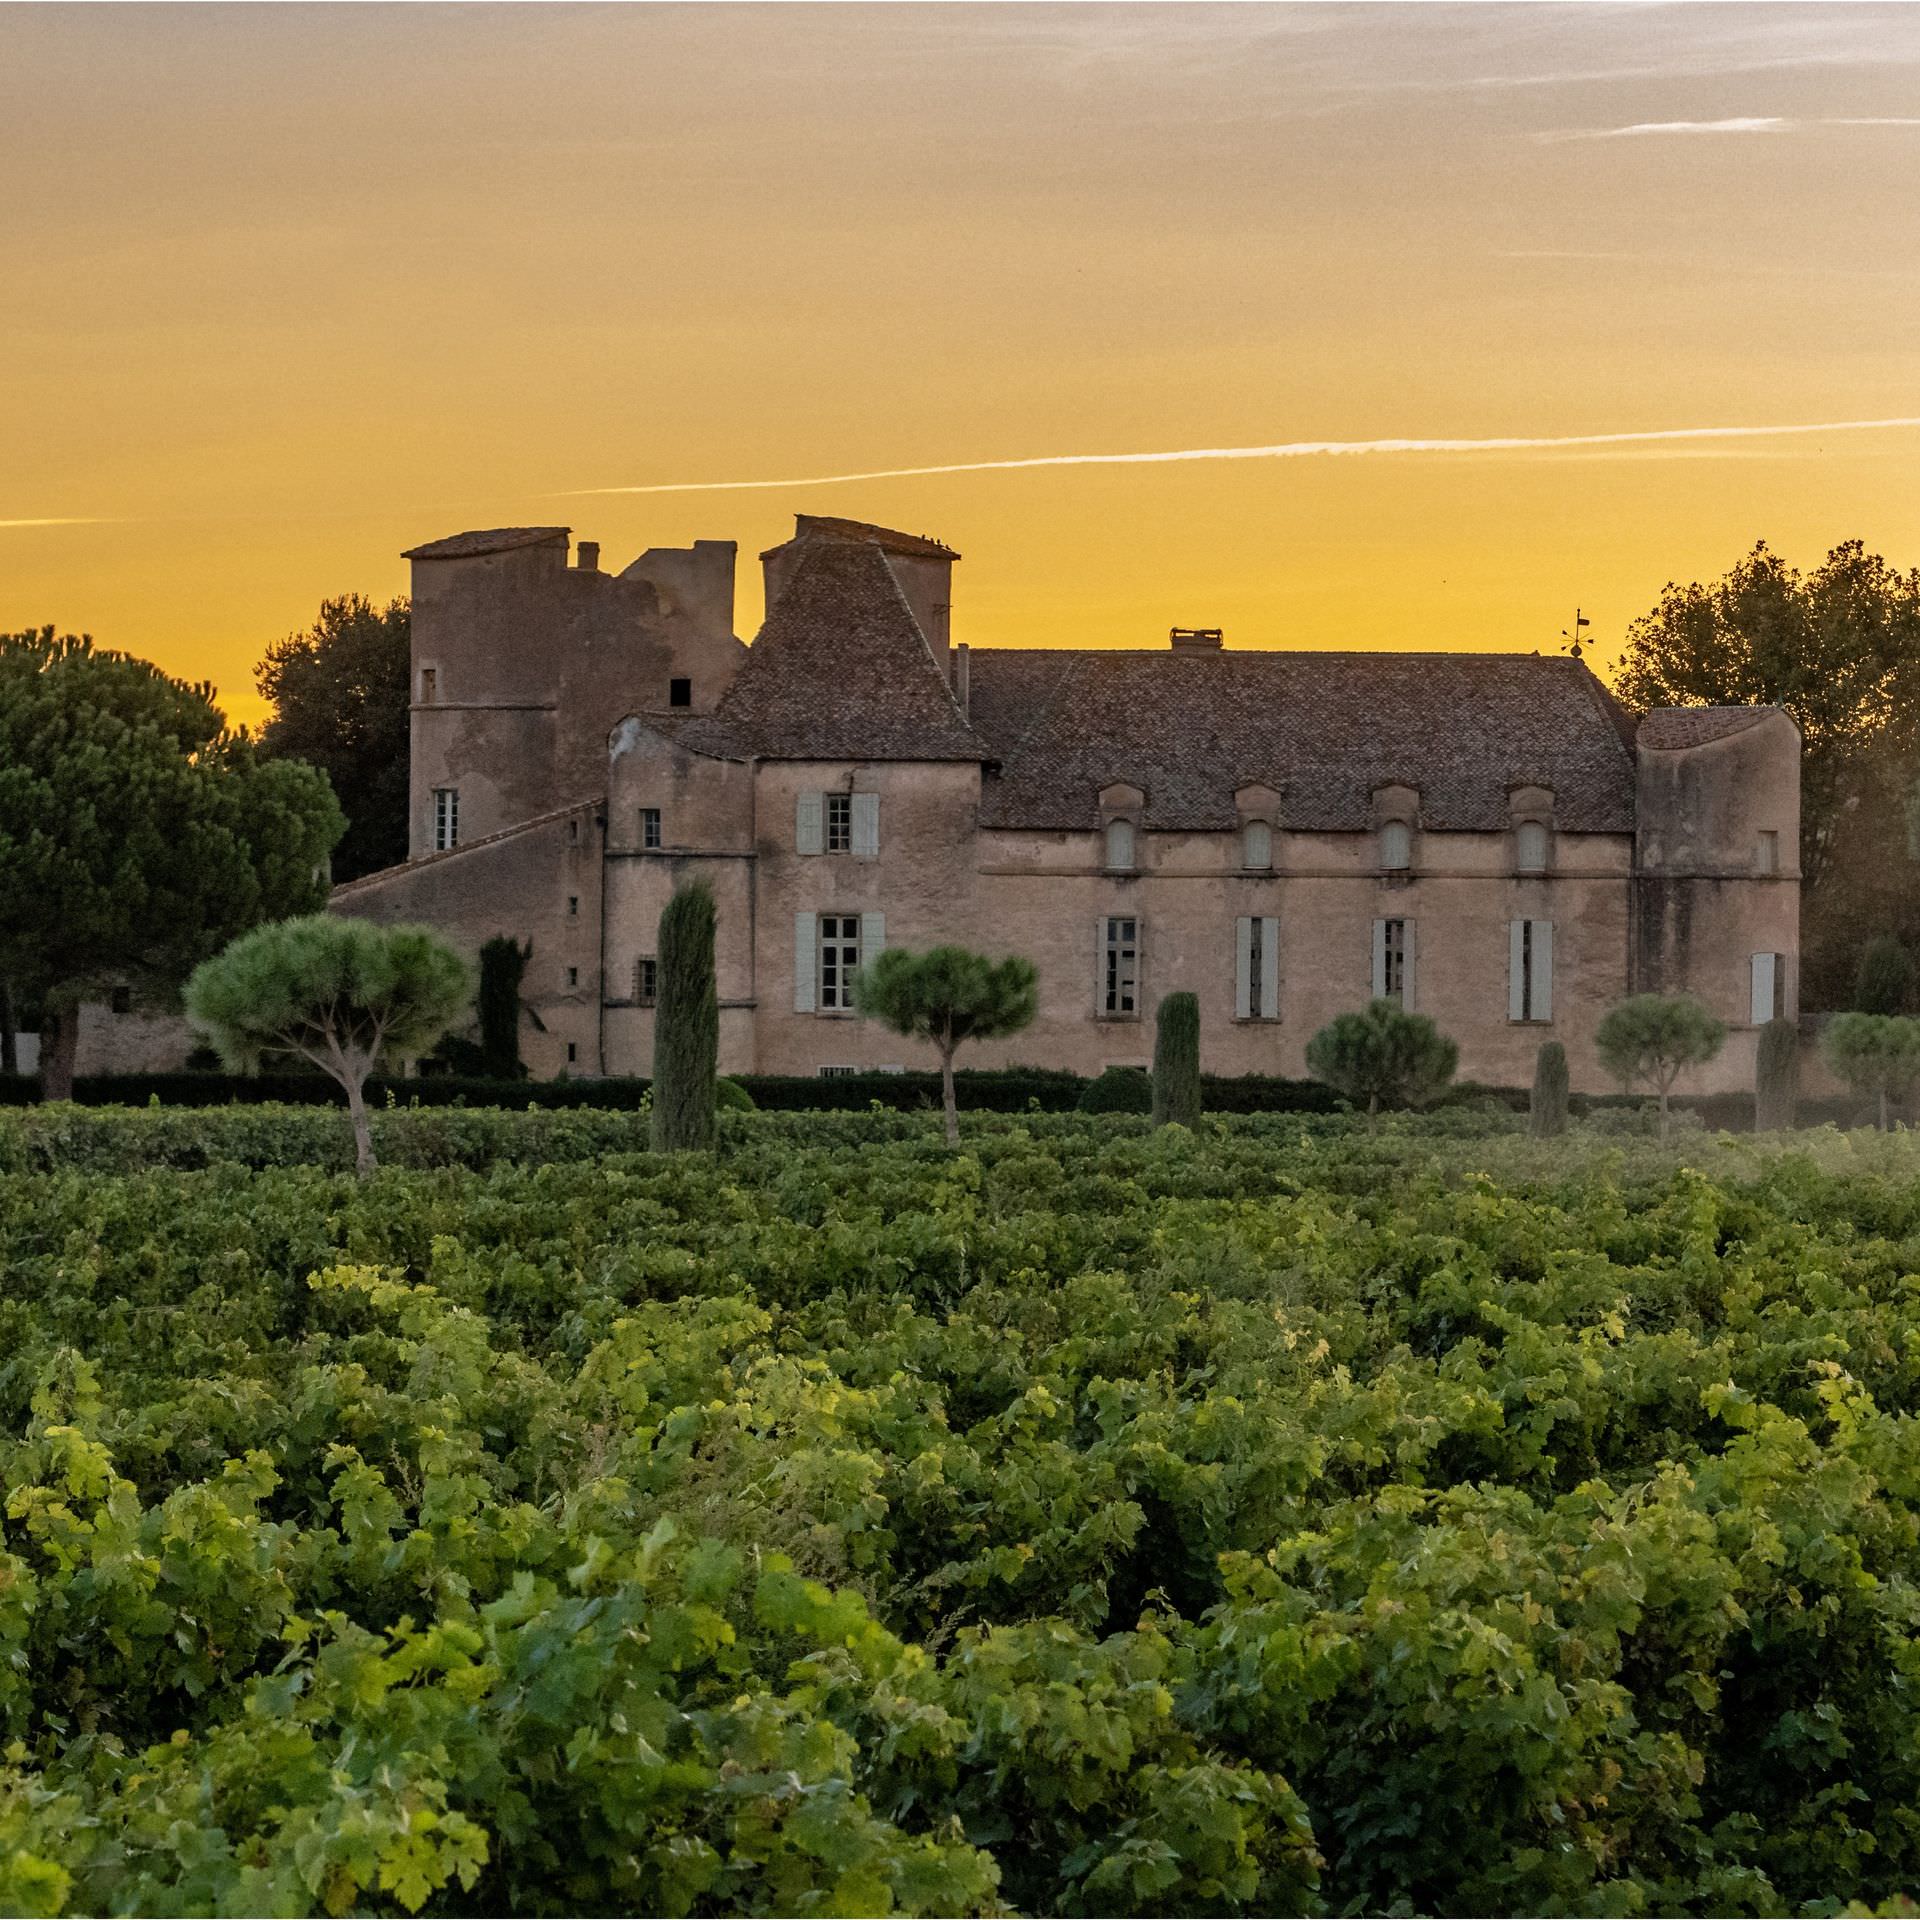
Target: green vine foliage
(1096, 1520)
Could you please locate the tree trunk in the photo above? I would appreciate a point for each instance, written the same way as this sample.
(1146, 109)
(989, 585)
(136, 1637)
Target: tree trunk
(1373, 1112)
(947, 1096)
(1883, 1109)
(59, 1049)
(1663, 1116)
(9, 1043)
(363, 1160)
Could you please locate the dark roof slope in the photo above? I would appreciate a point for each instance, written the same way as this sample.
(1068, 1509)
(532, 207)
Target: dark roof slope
(1668, 729)
(841, 671)
(1325, 729)
(468, 546)
(827, 526)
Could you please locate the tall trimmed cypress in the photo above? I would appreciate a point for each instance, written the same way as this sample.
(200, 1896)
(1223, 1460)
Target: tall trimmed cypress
(1776, 1084)
(1547, 1110)
(1176, 1061)
(686, 1023)
(503, 963)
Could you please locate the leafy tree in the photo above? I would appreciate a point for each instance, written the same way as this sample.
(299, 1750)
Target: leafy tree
(503, 965)
(1547, 1109)
(1876, 1054)
(1656, 1037)
(342, 994)
(949, 996)
(1883, 982)
(137, 834)
(340, 694)
(1176, 1061)
(1776, 1087)
(1383, 1056)
(1840, 649)
(686, 1024)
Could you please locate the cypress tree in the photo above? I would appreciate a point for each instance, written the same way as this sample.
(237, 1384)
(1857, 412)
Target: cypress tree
(686, 1024)
(1776, 1087)
(503, 963)
(1883, 983)
(1547, 1110)
(1176, 1061)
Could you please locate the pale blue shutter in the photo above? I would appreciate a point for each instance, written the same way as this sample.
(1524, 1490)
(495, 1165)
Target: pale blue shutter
(1243, 969)
(1406, 971)
(805, 941)
(1761, 1008)
(1379, 958)
(866, 825)
(1270, 968)
(1516, 969)
(810, 823)
(873, 937)
(1542, 1008)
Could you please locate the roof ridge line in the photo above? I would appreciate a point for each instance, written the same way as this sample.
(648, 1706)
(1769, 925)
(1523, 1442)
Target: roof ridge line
(466, 846)
(942, 675)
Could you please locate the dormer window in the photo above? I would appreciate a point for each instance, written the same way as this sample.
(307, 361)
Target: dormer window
(1120, 846)
(1256, 846)
(1396, 846)
(1531, 846)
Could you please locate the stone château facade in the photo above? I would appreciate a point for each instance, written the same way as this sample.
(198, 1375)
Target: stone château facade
(1488, 837)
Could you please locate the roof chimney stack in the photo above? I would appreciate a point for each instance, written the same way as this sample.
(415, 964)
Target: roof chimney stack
(963, 680)
(589, 561)
(1195, 639)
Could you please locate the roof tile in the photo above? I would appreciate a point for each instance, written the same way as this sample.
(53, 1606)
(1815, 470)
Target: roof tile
(468, 546)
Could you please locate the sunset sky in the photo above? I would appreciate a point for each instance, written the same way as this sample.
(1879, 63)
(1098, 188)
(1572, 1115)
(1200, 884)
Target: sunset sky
(289, 289)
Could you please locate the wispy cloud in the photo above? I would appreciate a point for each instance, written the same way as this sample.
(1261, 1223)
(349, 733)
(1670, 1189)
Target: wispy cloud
(63, 521)
(1739, 123)
(1280, 450)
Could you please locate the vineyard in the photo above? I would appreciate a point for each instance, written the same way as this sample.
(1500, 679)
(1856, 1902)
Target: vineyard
(1276, 1518)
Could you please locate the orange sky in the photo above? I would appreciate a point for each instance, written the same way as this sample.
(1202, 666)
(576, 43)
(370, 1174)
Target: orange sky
(289, 289)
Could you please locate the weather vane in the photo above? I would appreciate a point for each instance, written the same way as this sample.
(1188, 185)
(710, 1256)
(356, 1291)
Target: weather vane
(1572, 636)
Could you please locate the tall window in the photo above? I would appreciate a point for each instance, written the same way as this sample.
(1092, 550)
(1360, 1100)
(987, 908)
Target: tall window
(429, 685)
(1120, 965)
(1530, 970)
(650, 829)
(446, 818)
(839, 960)
(1530, 844)
(1256, 969)
(839, 823)
(646, 980)
(1120, 845)
(1766, 853)
(1393, 961)
(1396, 846)
(1256, 845)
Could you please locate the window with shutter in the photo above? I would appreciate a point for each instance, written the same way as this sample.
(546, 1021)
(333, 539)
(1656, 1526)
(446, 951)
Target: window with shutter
(864, 824)
(1769, 988)
(1530, 970)
(839, 961)
(1531, 844)
(1256, 846)
(1120, 846)
(1396, 846)
(809, 817)
(839, 822)
(805, 960)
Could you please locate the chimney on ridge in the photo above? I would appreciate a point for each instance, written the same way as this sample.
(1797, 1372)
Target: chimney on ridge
(963, 680)
(589, 561)
(1195, 639)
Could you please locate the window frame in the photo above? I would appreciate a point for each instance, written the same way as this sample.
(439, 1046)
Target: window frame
(1110, 838)
(1387, 829)
(1262, 832)
(836, 962)
(446, 819)
(652, 833)
(1393, 958)
(1522, 831)
(1119, 983)
(836, 823)
(646, 980)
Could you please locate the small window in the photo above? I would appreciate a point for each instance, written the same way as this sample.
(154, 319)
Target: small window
(573, 906)
(1120, 966)
(840, 1073)
(839, 960)
(573, 1052)
(1120, 846)
(573, 833)
(839, 823)
(679, 692)
(1256, 846)
(1396, 847)
(650, 829)
(429, 685)
(1766, 853)
(446, 818)
(1530, 847)
(573, 976)
(646, 981)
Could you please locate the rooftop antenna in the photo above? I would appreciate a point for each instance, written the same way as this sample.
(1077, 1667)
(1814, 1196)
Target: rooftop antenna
(1574, 645)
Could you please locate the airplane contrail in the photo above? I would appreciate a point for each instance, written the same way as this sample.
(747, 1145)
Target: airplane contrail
(83, 521)
(1281, 450)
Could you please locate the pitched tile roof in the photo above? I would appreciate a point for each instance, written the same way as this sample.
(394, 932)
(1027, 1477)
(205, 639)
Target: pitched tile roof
(1325, 729)
(1667, 729)
(841, 671)
(805, 524)
(467, 546)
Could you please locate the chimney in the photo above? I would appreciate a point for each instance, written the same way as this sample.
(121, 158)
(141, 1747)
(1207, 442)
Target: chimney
(589, 561)
(963, 680)
(1195, 639)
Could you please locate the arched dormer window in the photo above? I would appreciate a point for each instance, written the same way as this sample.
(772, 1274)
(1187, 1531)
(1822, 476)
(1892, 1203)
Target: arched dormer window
(1532, 844)
(1256, 846)
(1120, 857)
(1396, 846)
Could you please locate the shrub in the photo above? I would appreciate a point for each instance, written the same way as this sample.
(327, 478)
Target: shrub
(1656, 1037)
(686, 1024)
(1119, 1090)
(1548, 1109)
(1776, 1087)
(1384, 1056)
(1176, 1061)
(1876, 1054)
(1884, 980)
(731, 1097)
